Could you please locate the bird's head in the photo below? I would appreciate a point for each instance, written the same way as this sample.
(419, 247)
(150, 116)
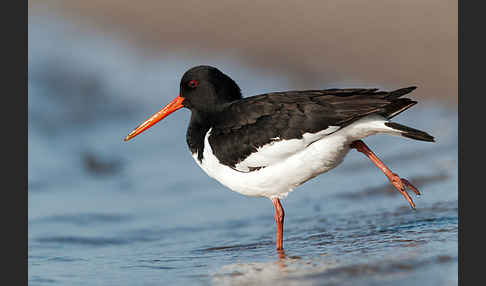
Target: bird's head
(203, 89)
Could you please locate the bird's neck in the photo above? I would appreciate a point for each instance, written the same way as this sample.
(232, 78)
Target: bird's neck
(198, 127)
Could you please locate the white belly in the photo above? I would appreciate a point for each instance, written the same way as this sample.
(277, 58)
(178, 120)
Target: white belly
(278, 179)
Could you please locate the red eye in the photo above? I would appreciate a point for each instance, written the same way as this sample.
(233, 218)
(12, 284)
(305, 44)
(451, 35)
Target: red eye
(192, 83)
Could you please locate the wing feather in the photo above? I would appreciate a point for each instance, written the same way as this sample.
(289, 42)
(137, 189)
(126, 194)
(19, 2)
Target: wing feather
(248, 124)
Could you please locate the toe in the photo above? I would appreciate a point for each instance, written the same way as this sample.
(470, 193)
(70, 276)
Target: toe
(411, 187)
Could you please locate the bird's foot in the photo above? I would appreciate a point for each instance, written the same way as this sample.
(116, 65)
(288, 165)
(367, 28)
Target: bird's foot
(400, 184)
(397, 182)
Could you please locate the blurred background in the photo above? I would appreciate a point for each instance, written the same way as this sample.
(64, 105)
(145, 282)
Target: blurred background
(105, 212)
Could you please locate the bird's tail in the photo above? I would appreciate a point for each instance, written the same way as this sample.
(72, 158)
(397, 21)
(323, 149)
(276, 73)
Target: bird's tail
(397, 105)
(409, 132)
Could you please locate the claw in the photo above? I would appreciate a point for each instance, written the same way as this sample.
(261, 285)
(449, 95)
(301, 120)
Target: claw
(411, 187)
(406, 195)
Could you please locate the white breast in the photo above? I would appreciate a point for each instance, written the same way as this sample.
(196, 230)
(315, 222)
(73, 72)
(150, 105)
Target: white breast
(290, 162)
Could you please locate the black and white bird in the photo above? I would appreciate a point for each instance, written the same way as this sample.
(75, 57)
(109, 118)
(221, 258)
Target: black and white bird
(269, 144)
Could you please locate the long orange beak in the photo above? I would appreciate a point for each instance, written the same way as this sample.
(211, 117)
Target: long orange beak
(175, 104)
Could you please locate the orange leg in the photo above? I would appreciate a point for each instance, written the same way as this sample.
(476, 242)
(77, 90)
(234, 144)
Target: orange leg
(279, 220)
(397, 182)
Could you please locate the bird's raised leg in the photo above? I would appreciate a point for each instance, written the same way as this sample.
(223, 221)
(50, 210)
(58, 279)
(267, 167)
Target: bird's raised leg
(279, 221)
(397, 182)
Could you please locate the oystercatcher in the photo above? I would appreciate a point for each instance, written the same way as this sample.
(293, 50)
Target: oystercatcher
(267, 145)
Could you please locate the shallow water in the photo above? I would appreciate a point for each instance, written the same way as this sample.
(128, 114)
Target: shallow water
(106, 212)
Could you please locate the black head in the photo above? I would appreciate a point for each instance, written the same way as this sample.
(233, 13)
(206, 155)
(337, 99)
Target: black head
(205, 88)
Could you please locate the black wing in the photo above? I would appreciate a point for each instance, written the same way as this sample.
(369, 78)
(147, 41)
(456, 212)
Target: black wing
(252, 122)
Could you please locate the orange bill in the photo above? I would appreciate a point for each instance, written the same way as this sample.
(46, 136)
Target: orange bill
(175, 104)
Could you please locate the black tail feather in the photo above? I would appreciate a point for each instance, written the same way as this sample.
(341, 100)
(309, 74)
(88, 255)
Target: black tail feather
(399, 92)
(411, 132)
(397, 105)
